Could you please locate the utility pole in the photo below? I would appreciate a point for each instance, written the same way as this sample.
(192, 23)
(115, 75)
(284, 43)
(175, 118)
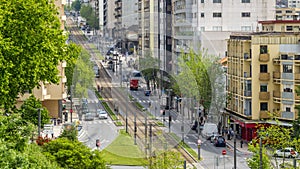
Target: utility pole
(234, 146)
(71, 110)
(39, 122)
(260, 152)
(146, 133)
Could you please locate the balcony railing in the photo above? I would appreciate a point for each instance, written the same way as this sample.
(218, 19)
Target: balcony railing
(264, 95)
(247, 75)
(264, 76)
(287, 95)
(264, 57)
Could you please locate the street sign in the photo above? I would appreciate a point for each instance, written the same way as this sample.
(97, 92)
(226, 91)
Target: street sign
(223, 152)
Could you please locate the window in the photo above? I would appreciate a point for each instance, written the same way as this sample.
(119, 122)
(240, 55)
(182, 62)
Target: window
(217, 28)
(263, 68)
(245, 14)
(263, 106)
(202, 14)
(287, 68)
(217, 14)
(263, 87)
(246, 28)
(289, 28)
(245, 1)
(278, 11)
(217, 1)
(202, 28)
(288, 11)
(288, 109)
(263, 49)
(202, 1)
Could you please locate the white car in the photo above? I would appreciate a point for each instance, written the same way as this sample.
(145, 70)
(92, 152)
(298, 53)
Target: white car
(102, 114)
(286, 152)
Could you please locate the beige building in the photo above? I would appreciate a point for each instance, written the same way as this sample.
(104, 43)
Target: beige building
(51, 95)
(263, 75)
(287, 13)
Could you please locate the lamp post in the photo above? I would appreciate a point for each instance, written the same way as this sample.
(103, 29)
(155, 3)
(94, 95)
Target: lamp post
(169, 107)
(71, 110)
(199, 148)
(39, 122)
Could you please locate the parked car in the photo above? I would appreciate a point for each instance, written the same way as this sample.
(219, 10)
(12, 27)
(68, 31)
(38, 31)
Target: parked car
(89, 117)
(102, 114)
(220, 141)
(286, 152)
(214, 137)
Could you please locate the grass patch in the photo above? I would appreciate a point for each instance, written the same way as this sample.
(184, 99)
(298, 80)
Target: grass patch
(185, 146)
(160, 124)
(106, 107)
(118, 123)
(122, 151)
(96, 52)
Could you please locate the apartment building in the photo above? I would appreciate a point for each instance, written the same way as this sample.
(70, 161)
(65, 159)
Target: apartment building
(287, 13)
(293, 3)
(208, 23)
(263, 75)
(51, 95)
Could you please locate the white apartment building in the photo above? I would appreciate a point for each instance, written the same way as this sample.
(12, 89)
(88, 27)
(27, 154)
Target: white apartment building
(209, 22)
(293, 3)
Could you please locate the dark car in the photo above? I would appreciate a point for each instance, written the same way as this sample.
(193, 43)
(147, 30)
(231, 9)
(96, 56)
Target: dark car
(219, 141)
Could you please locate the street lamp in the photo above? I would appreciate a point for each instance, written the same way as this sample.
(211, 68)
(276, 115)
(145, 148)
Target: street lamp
(199, 149)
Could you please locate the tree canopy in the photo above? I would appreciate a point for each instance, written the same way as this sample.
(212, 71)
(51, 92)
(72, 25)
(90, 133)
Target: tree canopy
(31, 46)
(29, 111)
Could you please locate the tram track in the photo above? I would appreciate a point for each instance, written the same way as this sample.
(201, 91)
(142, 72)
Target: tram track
(137, 120)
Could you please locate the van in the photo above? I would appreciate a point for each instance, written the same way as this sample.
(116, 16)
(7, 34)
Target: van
(209, 129)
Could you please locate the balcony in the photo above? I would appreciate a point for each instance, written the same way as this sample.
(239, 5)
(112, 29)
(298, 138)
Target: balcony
(297, 76)
(288, 95)
(64, 79)
(264, 57)
(276, 94)
(276, 75)
(264, 76)
(264, 114)
(264, 95)
(276, 61)
(287, 115)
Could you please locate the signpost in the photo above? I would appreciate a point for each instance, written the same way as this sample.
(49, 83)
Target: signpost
(224, 153)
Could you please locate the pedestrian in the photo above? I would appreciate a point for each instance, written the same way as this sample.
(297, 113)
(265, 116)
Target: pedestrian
(52, 135)
(242, 142)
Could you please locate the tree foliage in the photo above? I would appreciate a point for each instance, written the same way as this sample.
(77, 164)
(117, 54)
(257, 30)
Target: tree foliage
(83, 75)
(193, 78)
(149, 68)
(73, 154)
(88, 12)
(29, 111)
(76, 5)
(296, 123)
(31, 46)
(166, 160)
(71, 63)
(273, 137)
(15, 131)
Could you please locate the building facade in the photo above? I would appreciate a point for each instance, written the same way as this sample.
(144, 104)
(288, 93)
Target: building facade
(262, 77)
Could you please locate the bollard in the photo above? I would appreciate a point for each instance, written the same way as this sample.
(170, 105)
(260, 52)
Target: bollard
(242, 142)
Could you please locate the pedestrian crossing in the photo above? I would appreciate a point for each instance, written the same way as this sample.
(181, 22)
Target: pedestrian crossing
(97, 122)
(97, 101)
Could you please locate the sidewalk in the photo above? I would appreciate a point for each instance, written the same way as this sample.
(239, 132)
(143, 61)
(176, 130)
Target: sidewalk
(240, 149)
(58, 127)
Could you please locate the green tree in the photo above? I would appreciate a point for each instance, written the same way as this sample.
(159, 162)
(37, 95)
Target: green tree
(73, 154)
(70, 133)
(15, 131)
(83, 76)
(29, 111)
(31, 46)
(193, 79)
(166, 160)
(254, 160)
(76, 5)
(149, 68)
(71, 63)
(88, 12)
(296, 123)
